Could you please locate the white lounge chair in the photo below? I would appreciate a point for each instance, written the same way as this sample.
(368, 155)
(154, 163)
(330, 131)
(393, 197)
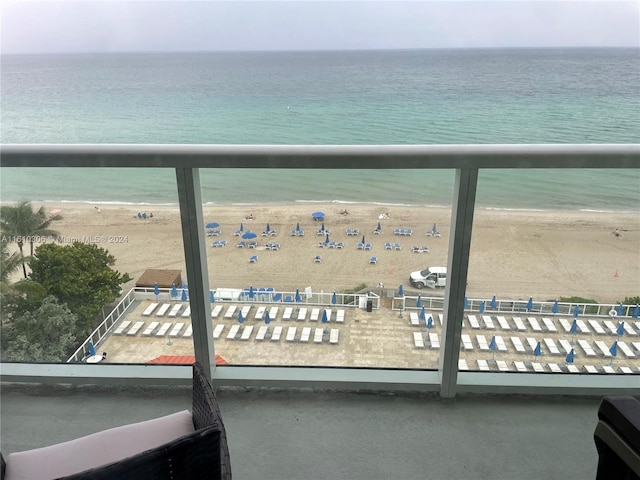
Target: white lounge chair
(149, 310)
(273, 312)
(603, 347)
(473, 321)
(520, 367)
(483, 365)
(549, 325)
(590, 369)
(231, 311)
(291, 334)
(582, 327)
(134, 330)
(246, 333)
(532, 342)
(554, 367)
(627, 352)
(318, 335)
(164, 329)
(609, 325)
(305, 335)
(245, 311)
(233, 331)
(315, 313)
(636, 345)
(535, 326)
(302, 314)
(288, 311)
(502, 347)
(572, 369)
(334, 335)
(434, 341)
(217, 330)
(216, 311)
(502, 365)
(260, 313)
(566, 326)
(519, 324)
(188, 331)
(122, 327)
(482, 343)
(150, 328)
(504, 325)
(187, 312)
(488, 322)
(277, 333)
(629, 329)
(588, 351)
(414, 319)
(517, 344)
(175, 331)
(174, 311)
(262, 332)
(340, 316)
(163, 309)
(625, 370)
(467, 344)
(462, 364)
(608, 369)
(418, 342)
(551, 346)
(597, 327)
(537, 367)
(565, 346)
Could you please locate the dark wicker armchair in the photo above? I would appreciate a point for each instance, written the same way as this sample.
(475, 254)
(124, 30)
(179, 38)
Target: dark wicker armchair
(201, 454)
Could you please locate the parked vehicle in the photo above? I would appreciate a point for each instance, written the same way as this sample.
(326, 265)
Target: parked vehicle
(431, 277)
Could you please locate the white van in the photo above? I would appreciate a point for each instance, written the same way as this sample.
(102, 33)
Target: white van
(431, 277)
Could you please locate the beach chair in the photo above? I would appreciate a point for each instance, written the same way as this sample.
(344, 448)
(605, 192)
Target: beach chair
(520, 367)
(482, 343)
(462, 364)
(260, 313)
(488, 323)
(590, 369)
(441, 319)
(188, 332)
(473, 321)
(253, 258)
(396, 246)
(533, 343)
(504, 325)
(300, 233)
(586, 347)
(175, 331)
(315, 314)
(554, 367)
(373, 260)
(434, 341)
(134, 330)
(163, 329)
(564, 323)
(174, 311)
(608, 369)
(609, 325)
(149, 310)
(636, 345)
(340, 245)
(467, 344)
(332, 245)
(302, 314)
(537, 367)
(367, 246)
(582, 327)
(414, 319)
(287, 313)
(262, 332)
(252, 244)
(549, 325)
(502, 366)
(222, 243)
(603, 347)
(233, 331)
(241, 244)
(519, 324)
(565, 346)
(291, 334)
(215, 243)
(306, 333)
(277, 333)
(535, 326)
(388, 246)
(216, 311)
(360, 246)
(626, 351)
(122, 327)
(572, 369)
(551, 346)
(294, 233)
(163, 310)
(187, 312)
(317, 259)
(483, 365)
(334, 336)
(629, 329)
(597, 327)
(245, 311)
(273, 312)
(418, 342)
(246, 333)
(502, 347)
(150, 328)
(340, 316)
(318, 335)
(230, 311)
(625, 370)
(377, 231)
(517, 344)
(217, 330)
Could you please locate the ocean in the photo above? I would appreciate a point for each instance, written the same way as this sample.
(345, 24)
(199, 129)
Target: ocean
(348, 97)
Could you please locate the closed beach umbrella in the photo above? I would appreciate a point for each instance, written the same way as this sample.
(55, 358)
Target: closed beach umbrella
(613, 350)
(400, 291)
(248, 234)
(379, 227)
(430, 322)
(482, 307)
(297, 297)
(574, 327)
(569, 357)
(174, 291)
(576, 311)
(241, 228)
(422, 315)
(554, 309)
(184, 294)
(418, 302)
(298, 227)
(322, 227)
(267, 317)
(252, 292)
(268, 229)
(92, 349)
(636, 312)
(362, 239)
(494, 303)
(620, 329)
(538, 350)
(212, 297)
(212, 225)
(240, 317)
(434, 230)
(530, 304)
(325, 319)
(156, 289)
(334, 298)
(326, 240)
(620, 310)
(494, 346)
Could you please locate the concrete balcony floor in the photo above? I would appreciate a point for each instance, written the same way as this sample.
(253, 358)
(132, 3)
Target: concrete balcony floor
(293, 434)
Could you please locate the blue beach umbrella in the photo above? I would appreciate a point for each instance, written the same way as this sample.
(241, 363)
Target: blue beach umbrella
(298, 227)
(554, 309)
(422, 315)
(334, 298)
(494, 303)
(267, 317)
(430, 322)
(482, 307)
(212, 297)
(156, 289)
(174, 291)
(574, 328)
(400, 291)
(569, 357)
(241, 228)
(362, 239)
(379, 227)
(636, 312)
(268, 228)
(240, 317)
(576, 311)
(248, 234)
(252, 292)
(619, 310)
(493, 346)
(530, 304)
(298, 299)
(212, 225)
(613, 351)
(620, 329)
(466, 303)
(317, 214)
(326, 240)
(418, 302)
(538, 350)
(184, 294)
(325, 319)
(92, 349)
(322, 227)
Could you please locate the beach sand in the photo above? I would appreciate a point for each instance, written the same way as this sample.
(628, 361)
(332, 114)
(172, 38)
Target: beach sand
(514, 254)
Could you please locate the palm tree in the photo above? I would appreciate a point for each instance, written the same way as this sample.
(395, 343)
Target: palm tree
(9, 263)
(20, 223)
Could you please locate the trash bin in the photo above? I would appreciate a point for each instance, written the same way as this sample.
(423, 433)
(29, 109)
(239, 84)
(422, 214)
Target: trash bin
(369, 305)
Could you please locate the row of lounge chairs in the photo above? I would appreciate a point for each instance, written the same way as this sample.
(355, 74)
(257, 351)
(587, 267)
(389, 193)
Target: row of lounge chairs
(537, 367)
(291, 334)
(243, 244)
(169, 309)
(432, 338)
(395, 246)
(155, 328)
(403, 232)
(331, 244)
(219, 243)
(289, 313)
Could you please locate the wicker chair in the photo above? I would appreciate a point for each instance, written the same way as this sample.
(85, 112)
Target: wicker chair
(199, 455)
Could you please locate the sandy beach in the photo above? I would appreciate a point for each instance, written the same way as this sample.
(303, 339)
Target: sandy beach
(515, 254)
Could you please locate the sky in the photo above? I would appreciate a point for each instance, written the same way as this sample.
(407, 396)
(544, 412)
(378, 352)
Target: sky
(85, 26)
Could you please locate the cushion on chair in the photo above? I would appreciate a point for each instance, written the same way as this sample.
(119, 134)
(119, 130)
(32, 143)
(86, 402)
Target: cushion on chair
(97, 449)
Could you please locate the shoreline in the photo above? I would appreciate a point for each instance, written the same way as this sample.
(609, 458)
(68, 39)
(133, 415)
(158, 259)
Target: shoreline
(514, 254)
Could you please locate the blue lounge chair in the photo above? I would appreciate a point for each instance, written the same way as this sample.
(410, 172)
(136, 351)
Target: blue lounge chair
(253, 259)
(332, 244)
(367, 246)
(387, 246)
(360, 246)
(216, 243)
(275, 246)
(252, 244)
(340, 245)
(277, 297)
(222, 243)
(373, 260)
(294, 233)
(317, 259)
(397, 246)
(241, 244)
(288, 299)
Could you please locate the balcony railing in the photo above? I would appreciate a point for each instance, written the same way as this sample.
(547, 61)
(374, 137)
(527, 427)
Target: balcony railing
(466, 160)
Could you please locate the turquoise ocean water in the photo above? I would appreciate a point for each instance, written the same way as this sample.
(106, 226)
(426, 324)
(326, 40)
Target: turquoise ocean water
(373, 97)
